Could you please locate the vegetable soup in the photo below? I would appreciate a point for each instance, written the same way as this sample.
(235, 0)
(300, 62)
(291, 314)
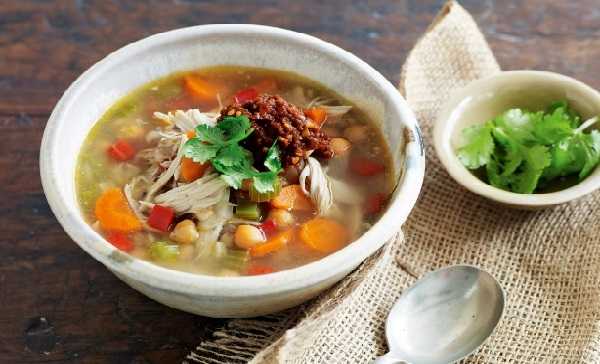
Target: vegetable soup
(233, 171)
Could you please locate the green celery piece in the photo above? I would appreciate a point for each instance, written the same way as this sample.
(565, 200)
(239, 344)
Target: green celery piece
(536, 159)
(479, 148)
(552, 128)
(248, 210)
(198, 151)
(235, 259)
(164, 251)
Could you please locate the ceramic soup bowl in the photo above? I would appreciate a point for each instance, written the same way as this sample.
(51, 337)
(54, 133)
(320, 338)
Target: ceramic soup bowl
(248, 45)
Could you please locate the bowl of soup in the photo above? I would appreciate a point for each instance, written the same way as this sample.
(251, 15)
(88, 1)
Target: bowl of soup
(231, 170)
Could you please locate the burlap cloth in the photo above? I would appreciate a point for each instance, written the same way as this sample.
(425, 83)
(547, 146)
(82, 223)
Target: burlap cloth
(547, 261)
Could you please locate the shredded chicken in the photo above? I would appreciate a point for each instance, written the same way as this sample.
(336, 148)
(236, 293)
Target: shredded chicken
(324, 190)
(168, 173)
(130, 193)
(200, 194)
(332, 111)
(189, 119)
(210, 227)
(315, 184)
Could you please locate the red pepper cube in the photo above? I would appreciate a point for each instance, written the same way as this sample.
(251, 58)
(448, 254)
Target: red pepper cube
(161, 217)
(268, 227)
(120, 240)
(374, 203)
(121, 151)
(245, 95)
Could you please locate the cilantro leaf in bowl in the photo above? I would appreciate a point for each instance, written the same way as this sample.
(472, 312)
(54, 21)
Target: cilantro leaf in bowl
(522, 151)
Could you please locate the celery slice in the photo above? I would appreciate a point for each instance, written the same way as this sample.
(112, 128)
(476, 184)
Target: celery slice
(163, 251)
(248, 210)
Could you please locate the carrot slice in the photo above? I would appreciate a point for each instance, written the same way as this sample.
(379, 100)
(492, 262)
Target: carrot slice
(324, 235)
(190, 134)
(317, 114)
(292, 197)
(200, 89)
(272, 245)
(255, 270)
(114, 213)
(190, 170)
(121, 151)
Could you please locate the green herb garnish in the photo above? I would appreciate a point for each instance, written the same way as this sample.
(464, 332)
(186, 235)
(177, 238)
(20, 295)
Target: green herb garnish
(220, 146)
(522, 150)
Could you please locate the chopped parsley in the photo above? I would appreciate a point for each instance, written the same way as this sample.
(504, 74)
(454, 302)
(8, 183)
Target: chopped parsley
(220, 146)
(521, 150)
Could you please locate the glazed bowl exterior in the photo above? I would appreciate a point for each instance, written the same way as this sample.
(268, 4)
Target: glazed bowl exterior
(484, 99)
(246, 45)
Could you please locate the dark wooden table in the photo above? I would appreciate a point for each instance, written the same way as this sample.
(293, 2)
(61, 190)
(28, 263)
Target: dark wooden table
(59, 305)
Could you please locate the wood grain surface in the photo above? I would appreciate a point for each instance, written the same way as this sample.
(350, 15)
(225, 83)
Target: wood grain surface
(57, 304)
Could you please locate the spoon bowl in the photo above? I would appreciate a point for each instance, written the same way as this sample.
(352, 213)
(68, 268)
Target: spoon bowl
(443, 317)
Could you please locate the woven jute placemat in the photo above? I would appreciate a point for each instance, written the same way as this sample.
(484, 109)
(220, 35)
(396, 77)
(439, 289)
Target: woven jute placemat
(547, 261)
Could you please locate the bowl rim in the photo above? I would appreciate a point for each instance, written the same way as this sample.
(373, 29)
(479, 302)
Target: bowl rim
(442, 135)
(246, 286)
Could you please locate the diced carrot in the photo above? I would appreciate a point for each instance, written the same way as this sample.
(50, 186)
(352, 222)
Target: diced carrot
(245, 95)
(374, 203)
(267, 85)
(324, 235)
(292, 197)
(161, 217)
(121, 150)
(120, 241)
(190, 170)
(199, 89)
(366, 167)
(316, 114)
(114, 213)
(190, 134)
(256, 269)
(272, 245)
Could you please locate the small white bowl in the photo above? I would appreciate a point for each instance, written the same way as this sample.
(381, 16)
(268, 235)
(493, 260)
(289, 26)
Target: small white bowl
(248, 45)
(484, 99)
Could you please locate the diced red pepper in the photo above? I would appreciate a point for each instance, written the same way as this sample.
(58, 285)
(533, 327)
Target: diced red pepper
(366, 167)
(120, 240)
(245, 95)
(256, 269)
(374, 203)
(268, 227)
(121, 151)
(161, 217)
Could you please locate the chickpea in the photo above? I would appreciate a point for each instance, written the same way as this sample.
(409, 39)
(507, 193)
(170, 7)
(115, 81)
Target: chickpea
(185, 232)
(340, 146)
(356, 133)
(282, 218)
(247, 236)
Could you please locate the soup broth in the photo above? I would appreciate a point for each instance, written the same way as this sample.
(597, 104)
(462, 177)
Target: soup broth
(143, 184)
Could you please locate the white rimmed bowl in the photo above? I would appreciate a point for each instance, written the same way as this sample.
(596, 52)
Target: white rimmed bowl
(249, 45)
(484, 99)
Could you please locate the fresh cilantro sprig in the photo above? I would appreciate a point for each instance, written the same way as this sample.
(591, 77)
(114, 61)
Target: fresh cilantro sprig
(219, 145)
(522, 150)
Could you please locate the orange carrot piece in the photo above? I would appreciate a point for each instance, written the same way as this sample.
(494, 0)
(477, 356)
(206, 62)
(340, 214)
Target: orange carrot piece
(324, 235)
(256, 270)
(316, 114)
(114, 213)
(190, 134)
(190, 170)
(272, 245)
(267, 85)
(292, 197)
(200, 89)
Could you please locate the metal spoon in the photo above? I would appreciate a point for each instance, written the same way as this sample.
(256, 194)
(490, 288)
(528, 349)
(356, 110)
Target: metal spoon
(443, 317)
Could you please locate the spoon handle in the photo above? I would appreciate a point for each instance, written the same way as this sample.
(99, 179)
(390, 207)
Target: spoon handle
(389, 358)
